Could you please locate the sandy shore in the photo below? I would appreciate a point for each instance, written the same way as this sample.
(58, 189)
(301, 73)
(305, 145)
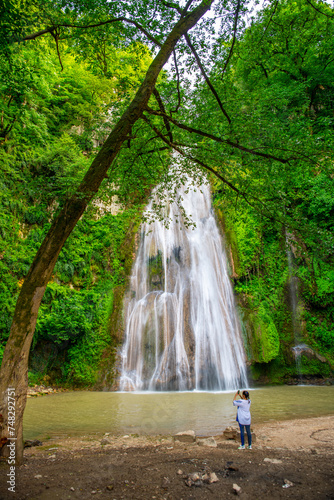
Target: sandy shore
(289, 459)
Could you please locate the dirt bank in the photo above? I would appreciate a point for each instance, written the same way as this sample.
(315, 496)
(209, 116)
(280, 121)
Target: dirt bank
(137, 467)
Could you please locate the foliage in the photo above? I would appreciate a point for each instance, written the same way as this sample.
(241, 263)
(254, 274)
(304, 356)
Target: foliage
(259, 116)
(52, 123)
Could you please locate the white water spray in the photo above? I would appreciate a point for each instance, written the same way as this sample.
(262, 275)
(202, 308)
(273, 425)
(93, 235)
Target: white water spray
(182, 331)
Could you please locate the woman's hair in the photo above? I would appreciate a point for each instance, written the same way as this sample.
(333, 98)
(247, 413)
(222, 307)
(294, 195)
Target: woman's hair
(246, 394)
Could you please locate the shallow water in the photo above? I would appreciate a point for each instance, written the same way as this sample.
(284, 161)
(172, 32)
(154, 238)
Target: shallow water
(207, 413)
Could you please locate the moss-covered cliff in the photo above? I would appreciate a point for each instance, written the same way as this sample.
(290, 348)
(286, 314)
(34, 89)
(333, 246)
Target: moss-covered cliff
(285, 297)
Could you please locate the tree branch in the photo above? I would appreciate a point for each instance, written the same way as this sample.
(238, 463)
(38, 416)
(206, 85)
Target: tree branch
(102, 23)
(217, 139)
(270, 19)
(318, 10)
(234, 36)
(33, 36)
(55, 35)
(162, 109)
(171, 5)
(174, 146)
(177, 85)
(206, 78)
(183, 13)
(213, 171)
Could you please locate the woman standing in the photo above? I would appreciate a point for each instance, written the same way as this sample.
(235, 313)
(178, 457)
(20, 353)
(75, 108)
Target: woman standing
(243, 403)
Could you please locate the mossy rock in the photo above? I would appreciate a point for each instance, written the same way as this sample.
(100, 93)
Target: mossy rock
(263, 338)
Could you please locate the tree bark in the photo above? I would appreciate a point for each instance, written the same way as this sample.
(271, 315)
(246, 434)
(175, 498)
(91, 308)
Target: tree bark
(14, 368)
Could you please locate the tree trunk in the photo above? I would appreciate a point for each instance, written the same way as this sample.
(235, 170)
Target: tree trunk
(14, 368)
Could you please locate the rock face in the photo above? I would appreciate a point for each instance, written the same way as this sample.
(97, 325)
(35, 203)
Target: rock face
(185, 437)
(305, 350)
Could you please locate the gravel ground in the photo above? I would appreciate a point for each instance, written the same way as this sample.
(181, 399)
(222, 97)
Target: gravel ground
(289, 460)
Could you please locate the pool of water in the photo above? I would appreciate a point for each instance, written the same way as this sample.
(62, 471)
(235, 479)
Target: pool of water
(207, 413)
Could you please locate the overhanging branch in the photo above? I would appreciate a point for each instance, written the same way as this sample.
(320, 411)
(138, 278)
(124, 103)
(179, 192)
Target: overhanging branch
(215, 138)
(236, 16)
(205, 76)
(96, 25)
(213, 171)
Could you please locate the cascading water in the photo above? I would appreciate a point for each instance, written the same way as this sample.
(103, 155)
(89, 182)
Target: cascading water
(182, 331)
(293, 292)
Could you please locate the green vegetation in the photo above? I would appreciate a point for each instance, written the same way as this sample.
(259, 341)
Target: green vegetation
(52, 124)
(280, 227)
(267, 133)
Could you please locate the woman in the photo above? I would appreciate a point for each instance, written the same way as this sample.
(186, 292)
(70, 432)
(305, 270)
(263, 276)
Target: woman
(243, 403)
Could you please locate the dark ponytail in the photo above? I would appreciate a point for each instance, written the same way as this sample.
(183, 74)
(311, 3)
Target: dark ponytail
(246, 394)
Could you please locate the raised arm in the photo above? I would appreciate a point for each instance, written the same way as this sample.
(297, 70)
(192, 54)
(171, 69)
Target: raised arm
(237, 395)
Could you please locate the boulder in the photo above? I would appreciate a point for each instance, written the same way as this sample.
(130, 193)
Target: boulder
(210, 441)
(185, 437)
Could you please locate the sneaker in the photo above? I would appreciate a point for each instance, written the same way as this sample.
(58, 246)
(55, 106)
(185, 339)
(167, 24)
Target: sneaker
(249, 447)
(241, 447)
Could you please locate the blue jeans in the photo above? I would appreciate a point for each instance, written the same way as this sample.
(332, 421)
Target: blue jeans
(249, 435)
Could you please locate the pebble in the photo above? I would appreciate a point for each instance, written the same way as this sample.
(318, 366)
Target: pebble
(38, 476)
(236, 489)
(287, 483)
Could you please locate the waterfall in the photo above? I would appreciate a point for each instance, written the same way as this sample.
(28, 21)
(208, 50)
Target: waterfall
(295, 313)
(182, 330)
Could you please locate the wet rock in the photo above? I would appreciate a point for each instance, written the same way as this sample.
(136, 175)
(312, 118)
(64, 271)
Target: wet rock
(185, 437)
(29, 443)
(236, 489)
(272, 460)
(210, 441)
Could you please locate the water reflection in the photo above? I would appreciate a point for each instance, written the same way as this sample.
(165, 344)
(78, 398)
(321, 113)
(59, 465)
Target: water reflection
(207, 413)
